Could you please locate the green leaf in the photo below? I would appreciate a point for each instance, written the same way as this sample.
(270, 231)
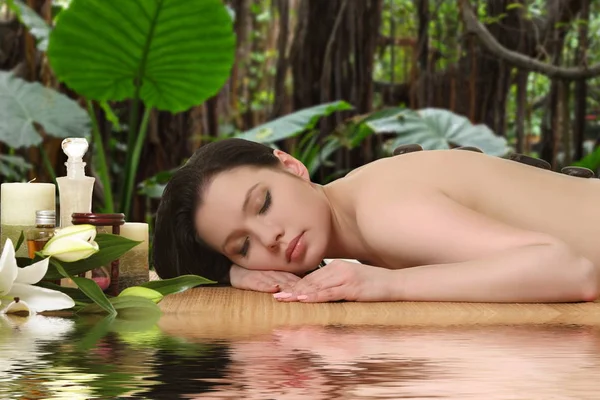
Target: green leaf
(330, 147)
(362, 130)
(438, 129)
(292, 124)
(13, 168)
(95, 333)
(110, 115)
(127, 307)
(74, 293)
(36, 24)
(174, 53)
(24, 104)
(111, 247)
(20, 241)
(514, 5)
(93, 291)
(176, 285)
(136, 319)
(591, 161)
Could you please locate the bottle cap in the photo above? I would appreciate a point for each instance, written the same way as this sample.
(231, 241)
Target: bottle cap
(74, 148)
(45, 217)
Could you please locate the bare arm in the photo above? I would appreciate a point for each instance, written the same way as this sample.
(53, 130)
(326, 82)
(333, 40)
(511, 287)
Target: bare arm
(532, 273)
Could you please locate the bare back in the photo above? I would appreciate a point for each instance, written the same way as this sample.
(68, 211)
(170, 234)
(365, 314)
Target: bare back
(516, 194)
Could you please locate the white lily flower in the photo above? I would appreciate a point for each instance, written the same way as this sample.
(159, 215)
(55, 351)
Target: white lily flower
(73, 243)
(16, 284)
(22, 339)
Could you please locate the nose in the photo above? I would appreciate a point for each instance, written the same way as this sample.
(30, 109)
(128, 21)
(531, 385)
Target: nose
(270, 236)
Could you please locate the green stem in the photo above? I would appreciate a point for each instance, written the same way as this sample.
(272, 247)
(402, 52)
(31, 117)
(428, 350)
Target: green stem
(101, 164)
(133, 120)
(47, 163)
(132, 167)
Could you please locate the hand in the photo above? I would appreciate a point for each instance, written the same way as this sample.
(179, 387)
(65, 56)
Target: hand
(261, 281)
(342, 280)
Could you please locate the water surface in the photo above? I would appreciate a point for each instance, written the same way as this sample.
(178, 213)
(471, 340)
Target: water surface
(57, 358)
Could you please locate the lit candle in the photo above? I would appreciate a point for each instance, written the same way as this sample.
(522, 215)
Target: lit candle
(18, 204)
(133, 265)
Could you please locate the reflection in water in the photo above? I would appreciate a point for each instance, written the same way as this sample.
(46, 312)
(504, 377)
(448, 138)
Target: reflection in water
(53, 358)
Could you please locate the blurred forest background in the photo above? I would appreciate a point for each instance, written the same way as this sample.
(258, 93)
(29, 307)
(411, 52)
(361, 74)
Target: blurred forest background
(338, 83)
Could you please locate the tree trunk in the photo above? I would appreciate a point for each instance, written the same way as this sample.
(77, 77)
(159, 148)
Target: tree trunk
(279, 98)
(581, 85)
(424, 94)
(333, 50)
(521, 109)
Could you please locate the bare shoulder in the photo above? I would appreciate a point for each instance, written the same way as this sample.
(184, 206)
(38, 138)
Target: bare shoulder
(387, 215)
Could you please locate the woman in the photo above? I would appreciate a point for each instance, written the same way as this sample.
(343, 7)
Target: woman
(426, 226)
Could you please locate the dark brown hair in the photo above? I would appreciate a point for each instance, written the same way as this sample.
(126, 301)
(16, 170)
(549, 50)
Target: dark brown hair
(177, 249)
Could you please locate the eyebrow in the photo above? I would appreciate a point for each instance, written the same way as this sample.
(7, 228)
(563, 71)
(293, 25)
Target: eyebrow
(244, 206)
(248, 194)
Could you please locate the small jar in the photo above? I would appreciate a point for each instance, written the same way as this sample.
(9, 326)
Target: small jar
(104, 223)
(45, 228)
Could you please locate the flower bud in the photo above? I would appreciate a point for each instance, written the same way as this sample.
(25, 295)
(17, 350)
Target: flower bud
(140, 291)
(69, 248)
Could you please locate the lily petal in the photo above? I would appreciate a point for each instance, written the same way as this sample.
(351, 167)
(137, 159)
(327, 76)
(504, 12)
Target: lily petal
(17, 307)
(33, 273)
(41, 299)
(84, 232)
(70, 249)
(8, 267)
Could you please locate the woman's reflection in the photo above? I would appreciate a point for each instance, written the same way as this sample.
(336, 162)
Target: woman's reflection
(493, 362)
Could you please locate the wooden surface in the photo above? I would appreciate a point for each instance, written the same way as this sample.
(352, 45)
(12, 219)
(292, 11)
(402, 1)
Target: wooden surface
(224, 313)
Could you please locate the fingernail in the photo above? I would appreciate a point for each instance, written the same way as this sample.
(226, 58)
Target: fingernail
(282, 295)
(302, 297)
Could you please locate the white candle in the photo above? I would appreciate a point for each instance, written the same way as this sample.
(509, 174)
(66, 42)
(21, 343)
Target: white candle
(18, 204)
(133, 265)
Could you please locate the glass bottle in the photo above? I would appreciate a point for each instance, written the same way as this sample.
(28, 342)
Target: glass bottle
(75, 189)
(45, 227)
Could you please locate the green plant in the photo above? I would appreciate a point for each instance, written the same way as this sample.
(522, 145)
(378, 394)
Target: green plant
(24, 105)
(285, 127)
(437, 129)
(13, 167)
(167, 54)
(73, 251)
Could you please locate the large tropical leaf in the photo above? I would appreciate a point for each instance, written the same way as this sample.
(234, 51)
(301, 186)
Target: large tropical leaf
(24, 104)
(176, 53)
(34, 23)
(293, 124)
(435, 129)
(13, 168)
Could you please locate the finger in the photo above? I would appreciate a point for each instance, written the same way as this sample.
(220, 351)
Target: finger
(311, 283)
(286, 287)
(322, 296)
(300, 289)
(265, 286)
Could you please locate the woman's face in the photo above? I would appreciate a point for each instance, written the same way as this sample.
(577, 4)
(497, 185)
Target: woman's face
(266, 219)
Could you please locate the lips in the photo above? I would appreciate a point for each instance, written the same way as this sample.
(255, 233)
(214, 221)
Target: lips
(292, 246)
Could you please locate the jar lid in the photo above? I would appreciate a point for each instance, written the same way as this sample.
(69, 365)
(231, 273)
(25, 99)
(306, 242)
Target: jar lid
(45, 217)
(98, 219)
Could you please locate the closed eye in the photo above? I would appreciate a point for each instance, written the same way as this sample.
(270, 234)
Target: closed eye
(246, 246)
(244, 250)
(267, 203)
